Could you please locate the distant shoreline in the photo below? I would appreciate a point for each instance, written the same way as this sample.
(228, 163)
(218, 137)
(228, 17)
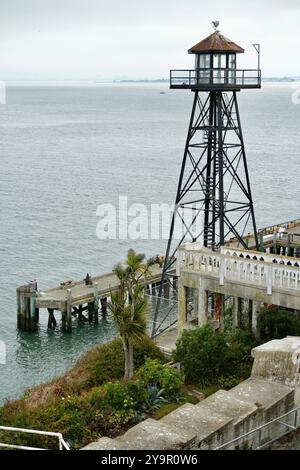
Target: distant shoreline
(111, 82)
(166, 80)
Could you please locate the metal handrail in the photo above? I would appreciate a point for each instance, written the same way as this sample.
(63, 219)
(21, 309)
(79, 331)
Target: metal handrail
(215, 76)
(270, 227)
(217, 68)
(61, 442)
(259, 428)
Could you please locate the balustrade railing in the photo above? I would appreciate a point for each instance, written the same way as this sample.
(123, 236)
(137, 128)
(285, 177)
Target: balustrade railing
(267, 271)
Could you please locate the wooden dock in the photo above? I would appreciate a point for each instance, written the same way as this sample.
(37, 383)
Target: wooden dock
(74, 298)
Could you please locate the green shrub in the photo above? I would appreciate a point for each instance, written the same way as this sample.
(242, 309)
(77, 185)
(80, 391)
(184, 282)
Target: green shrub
(206, 355)
(201, 353)
(277, 322)
(154, 372)
(117, 397)
(111, 422)
(240, 342)
(69, 416)
(138, 391)
(106, 362)
(226, 383)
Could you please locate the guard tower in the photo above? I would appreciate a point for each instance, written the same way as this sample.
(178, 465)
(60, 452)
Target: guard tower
(213, 200)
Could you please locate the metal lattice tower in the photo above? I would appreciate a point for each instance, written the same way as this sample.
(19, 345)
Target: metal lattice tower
(213, 201)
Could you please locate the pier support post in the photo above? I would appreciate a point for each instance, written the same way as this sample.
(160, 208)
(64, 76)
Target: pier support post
(26, 307)
(202, 306)
(24, 316)
(51, 319)
(69, 311)
(256, 306)
(96, 303)
(219, 309)
(19, 312)
(237, 312)
(34, 311)
(104, 306)
(64, 319)
(81, 317)
(91, 310)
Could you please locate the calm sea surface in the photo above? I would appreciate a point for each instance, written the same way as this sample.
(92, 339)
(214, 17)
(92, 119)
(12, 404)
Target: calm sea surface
(65, 150)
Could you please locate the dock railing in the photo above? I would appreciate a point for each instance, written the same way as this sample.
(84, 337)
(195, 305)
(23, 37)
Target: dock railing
(62, 445)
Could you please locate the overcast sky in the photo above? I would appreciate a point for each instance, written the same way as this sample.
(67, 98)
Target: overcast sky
(57, 39)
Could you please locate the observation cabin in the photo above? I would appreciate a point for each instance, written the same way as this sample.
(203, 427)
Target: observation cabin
(216, 67)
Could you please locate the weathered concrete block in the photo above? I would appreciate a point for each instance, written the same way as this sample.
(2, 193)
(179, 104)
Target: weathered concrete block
(153, 435)
(278, 361)
(272, 399)
(201, 428)
(266, 395)
(242, 412)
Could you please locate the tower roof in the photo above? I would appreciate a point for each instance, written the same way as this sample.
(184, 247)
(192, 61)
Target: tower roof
(216, 42)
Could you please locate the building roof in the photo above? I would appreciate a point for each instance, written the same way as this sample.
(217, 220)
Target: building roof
(216, 42)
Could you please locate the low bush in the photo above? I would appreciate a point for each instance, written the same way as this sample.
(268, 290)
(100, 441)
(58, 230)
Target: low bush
(106, 362)
(207, 356)
(170, 380)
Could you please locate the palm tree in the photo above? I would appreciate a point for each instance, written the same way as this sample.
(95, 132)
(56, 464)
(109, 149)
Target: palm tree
(129, 306)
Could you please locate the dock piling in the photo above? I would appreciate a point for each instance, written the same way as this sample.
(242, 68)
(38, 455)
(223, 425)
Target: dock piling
(69, 311)
(28, 314)
(104, 306)
(96, 304)
(51, 319)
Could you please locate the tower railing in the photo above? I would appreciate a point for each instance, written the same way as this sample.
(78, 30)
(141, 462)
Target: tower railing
(219, 79)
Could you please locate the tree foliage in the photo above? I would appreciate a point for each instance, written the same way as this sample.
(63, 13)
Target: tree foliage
(129, 306)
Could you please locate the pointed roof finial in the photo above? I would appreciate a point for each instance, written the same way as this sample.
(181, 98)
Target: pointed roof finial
(216, 24)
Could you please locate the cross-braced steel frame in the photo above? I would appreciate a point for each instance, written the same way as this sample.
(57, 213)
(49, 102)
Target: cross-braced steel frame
(213, 200)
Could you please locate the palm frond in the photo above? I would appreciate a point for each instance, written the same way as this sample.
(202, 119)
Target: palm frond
(131, 321)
